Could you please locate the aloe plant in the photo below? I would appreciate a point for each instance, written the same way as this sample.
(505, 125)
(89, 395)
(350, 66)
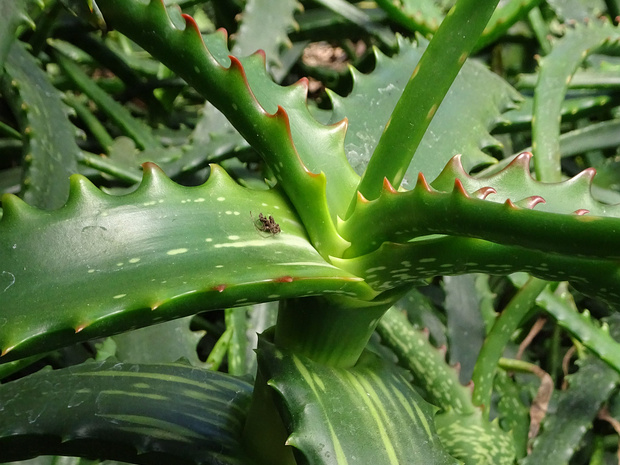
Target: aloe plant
(336, 241)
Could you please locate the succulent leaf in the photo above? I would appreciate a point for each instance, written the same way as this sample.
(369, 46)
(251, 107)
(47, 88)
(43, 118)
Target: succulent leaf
(170, 413)
(162, 252)
(381, 419)
(563, 429)
(301, 152)
(461, 124)
(51, 152)
(556, 70)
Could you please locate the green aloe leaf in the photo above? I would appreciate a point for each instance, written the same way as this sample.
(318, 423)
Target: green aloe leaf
(162, 252)
(461, 125)
(380, 418)
(51, 153)
(423, 94)
(556, 70)
(265, 15)
(302, 153)
(563, 429)
(166, 413)
(12, 15)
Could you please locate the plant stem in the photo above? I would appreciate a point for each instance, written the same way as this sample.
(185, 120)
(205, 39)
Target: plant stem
(332, 331)
(426, 89)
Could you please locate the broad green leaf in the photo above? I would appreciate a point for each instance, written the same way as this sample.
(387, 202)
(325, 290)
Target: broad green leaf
(152, 413)
(50, 154)
(159, 253)
(460, 126)
(260, 16)
(556, 70)
(12, 15)
(362, 415)
(161, 343)
(563, 429)
(305, 156)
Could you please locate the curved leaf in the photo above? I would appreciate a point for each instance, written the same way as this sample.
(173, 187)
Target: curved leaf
(365, 414)
(152, 414)
(461, 125)
(51, 152)
(103, 264)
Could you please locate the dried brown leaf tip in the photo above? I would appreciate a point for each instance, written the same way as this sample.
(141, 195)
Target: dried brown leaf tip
(266, 224)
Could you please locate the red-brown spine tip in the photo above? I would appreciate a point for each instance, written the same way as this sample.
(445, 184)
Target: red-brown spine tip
(443, 350)
(387, 186)
(459, 188)
(534, 200)
(581, 211)
(6, 351)
(588, 173)
(80, 327)
(284, 279)
(219, 287)
(190, 22)
(422, 182)
(509, 204)
(361, 198)
(484, 192)
(470, 386)
(224, 33)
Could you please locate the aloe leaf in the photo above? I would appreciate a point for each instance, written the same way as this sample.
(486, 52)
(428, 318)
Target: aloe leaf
(577, 10)
(465, 212)
(563, 429)
(162, 252)
(474, 440)
(428, 85)
(461, 125)
(498, 338)
(381, 418)
(427, 363)
(161, 343)
(556, 70)
(237, 322)
(360, 18)
(394, 264)
(153, 413)
(574, 108)
(51, 153)
(263, 15)
(589, 331)
(465, 326)
(513, 415)
(133, 127)
(12, 15)
(417, 16)
(302, 153)
(504, 16)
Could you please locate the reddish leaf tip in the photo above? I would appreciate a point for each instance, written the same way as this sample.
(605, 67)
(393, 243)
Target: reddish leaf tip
(191, 22)
(422, 182)
(484, 192)
(361, 198)
(509, 204)
(387, 186)
(80, 327)
(459, 188)
(534, 200)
